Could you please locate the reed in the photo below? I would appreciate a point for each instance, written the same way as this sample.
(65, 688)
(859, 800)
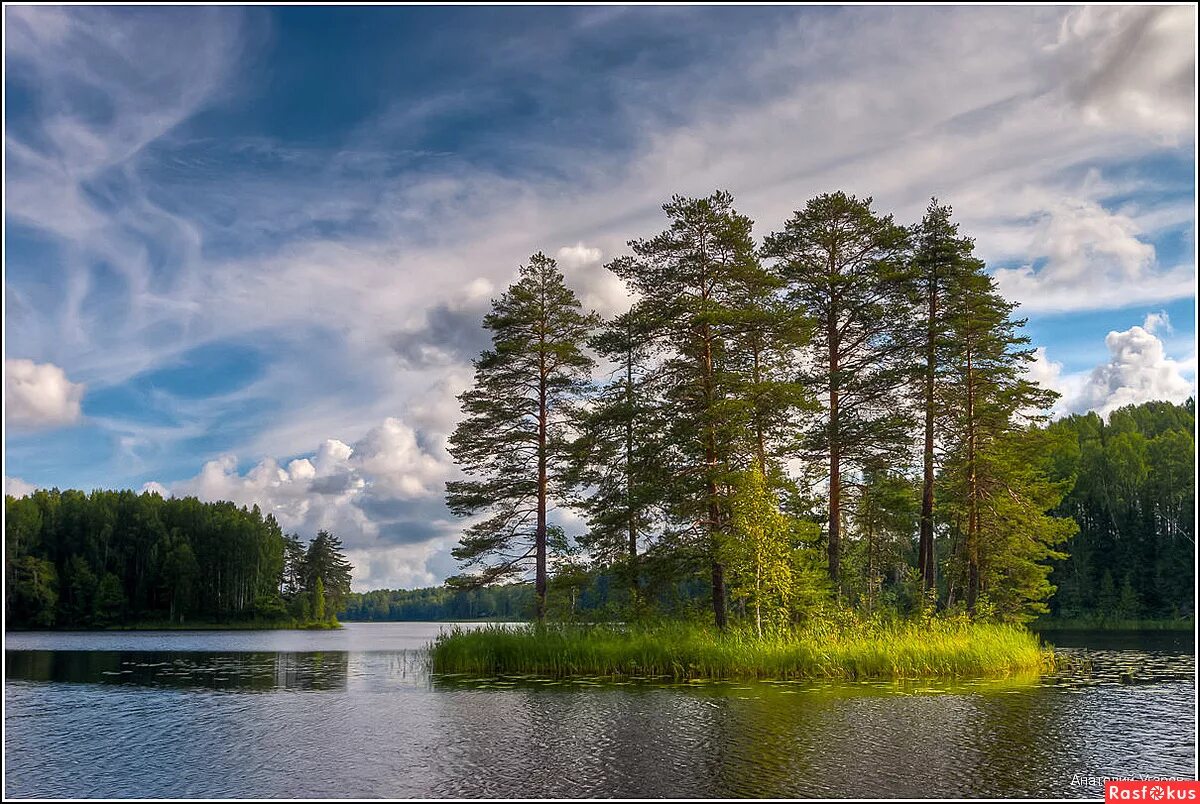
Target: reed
(681, 651)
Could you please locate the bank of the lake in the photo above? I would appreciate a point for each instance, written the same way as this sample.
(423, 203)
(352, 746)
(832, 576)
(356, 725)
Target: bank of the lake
(1112, 624)
(207, 625)
(685, 651)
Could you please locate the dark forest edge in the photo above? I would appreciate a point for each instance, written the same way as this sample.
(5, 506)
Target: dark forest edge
(123, 560)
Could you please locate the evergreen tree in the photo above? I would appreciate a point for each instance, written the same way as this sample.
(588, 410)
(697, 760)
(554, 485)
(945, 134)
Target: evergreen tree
(846, 267)
(997, 494)
(514, 442)
(885, 515)
(326, 568)
(694, 282)
(621, 451)
(942, 260)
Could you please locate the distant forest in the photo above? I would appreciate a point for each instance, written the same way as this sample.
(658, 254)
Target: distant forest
(1133, 557)
(118, 558)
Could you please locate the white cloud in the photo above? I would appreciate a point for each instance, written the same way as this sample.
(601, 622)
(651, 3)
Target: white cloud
(1158, 321)
(598, 288)
(154, 487)
(1138, 370)
(16, 487)
(382, 496)
(1091, 258)
(578, 256)
(38, 395)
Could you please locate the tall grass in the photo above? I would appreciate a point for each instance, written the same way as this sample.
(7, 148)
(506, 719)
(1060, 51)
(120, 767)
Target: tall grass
(682, 651)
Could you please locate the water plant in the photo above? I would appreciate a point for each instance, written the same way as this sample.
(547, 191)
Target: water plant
(929, 649)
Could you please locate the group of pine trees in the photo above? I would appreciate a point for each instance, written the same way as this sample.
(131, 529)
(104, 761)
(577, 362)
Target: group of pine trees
(780, 417)
(113, 558)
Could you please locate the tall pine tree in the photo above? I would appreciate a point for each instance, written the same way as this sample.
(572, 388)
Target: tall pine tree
(846, 267)
(995, 503)
(621, 451)
(694, 281)
(514, 442)
(943, 260)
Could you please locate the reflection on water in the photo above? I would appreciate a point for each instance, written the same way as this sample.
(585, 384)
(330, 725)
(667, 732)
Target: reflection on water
(321, 670)
(370, 722)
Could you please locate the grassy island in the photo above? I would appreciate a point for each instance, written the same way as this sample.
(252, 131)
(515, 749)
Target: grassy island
(685, 651)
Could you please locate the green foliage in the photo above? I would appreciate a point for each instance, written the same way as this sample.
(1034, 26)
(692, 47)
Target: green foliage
(682, 651)
(1134, 500)
(326, 568)
(514, 441)
(318, 600)
(32, 591)
(500, 602)
(110, 601)
(758, 552)
(847, 269)
(115, 558)
(880, 384)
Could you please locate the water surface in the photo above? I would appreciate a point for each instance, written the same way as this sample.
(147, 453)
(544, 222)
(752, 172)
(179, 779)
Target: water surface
(355, 713)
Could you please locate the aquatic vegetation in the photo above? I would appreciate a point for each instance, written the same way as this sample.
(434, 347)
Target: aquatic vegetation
(684, 651)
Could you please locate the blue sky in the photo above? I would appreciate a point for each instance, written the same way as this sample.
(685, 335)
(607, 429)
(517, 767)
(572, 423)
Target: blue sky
(247, 249)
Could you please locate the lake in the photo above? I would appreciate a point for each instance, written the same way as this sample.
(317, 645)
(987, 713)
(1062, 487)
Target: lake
(355, 714)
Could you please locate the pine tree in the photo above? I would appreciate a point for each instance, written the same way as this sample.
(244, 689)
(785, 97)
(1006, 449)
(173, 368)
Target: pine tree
(694, 281)
(997, 493)
(942, 260)
(326, 564)
(846, 267)
(514, 442)
(621, 452)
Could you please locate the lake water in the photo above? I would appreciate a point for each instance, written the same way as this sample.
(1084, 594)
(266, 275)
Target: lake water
(355, 713)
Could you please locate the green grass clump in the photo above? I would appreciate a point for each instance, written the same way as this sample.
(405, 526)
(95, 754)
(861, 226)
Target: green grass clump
(931, 649)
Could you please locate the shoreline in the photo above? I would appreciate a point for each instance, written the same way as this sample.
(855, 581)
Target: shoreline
(686, 652)
(206, 626)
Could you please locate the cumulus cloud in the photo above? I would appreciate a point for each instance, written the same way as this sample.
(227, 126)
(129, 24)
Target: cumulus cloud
(382, 495)
(1137, 370)
(1090, 257)
(38, 395)
(598, 288)
(16, 487)
(1049, 374)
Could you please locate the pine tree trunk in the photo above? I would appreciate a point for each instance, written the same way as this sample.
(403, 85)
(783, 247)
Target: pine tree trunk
(835, 457)
(972, 494)
(634, 590)
(714, 510)
(540, 579)
(925, 561)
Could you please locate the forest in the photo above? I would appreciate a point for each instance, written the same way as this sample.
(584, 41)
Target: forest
(837, 418)
(111, 559)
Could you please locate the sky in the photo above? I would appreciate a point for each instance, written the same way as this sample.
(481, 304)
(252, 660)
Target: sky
(247, 249)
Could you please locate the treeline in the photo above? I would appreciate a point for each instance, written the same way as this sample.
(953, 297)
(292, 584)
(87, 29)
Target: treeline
(1134, 500)
(840, 413)
(510, 603)
(113, 558)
